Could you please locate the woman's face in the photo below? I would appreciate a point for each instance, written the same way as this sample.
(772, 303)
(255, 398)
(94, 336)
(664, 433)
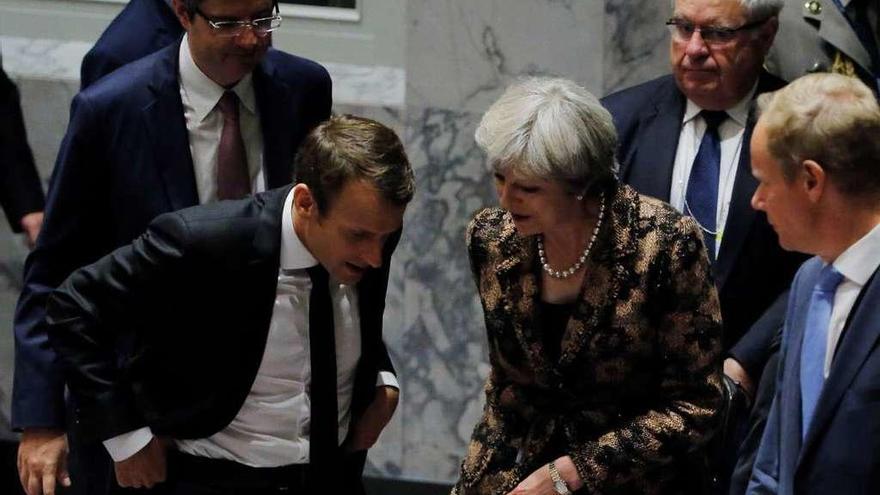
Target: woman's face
(536, 205)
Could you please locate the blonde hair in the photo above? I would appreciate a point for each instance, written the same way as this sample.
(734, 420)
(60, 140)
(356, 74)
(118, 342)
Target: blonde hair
(831, 119)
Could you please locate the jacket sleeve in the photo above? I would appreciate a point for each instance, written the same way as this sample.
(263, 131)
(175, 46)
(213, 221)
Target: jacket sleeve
(74, 233)
(20, 189)
(99, 303)
(689, 365)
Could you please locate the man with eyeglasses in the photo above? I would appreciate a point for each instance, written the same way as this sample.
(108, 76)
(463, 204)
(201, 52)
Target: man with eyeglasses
(684, 138)
(218, 115)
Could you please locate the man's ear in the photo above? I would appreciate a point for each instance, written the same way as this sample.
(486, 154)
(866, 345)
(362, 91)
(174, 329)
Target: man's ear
(182, 14)
(814, 180)
(304, 204)
(767, 33)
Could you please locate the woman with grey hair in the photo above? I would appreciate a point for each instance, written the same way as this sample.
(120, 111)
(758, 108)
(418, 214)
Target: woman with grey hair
(603, 323)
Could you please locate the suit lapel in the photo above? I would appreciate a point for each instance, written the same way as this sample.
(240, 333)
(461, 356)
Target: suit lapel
(648, 167)
(273, 101)
(520, 284)
(836, 29)
(857, 344)
(606, 269)
(740, 215)
(166, 126)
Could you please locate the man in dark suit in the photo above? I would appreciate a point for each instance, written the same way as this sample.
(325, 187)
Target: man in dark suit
(143, 27)
(684, 139)
(21, 194)
(216, 116)
(255, 366)
(815, 153)
(662, 126)
(837, 36)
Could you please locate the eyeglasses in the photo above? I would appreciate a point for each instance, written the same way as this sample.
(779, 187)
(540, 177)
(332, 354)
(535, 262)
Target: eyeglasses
(230, 29)
(683, 30)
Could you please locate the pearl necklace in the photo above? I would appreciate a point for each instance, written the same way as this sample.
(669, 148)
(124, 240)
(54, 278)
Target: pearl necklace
(560, 274)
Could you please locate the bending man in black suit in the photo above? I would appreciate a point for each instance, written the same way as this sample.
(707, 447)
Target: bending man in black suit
(143, 141)
(238, 338)
(685, 139)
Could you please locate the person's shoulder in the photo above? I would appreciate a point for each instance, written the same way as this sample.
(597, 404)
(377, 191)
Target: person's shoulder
(129, 82)
(656, 215)
(641, 94)
(488, 223)
(292, 68)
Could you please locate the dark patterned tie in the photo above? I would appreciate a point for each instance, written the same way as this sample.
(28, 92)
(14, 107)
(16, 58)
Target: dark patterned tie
(701, 198)
(324, 433)
(233, 179)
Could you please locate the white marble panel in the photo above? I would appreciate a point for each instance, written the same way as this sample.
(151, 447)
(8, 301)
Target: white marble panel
(636, 42)
(462, 53)
(56, 60)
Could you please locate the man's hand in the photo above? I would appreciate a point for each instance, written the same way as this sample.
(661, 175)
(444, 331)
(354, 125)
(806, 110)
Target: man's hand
(737, 373)
(144, 469)
(31, 224)
(540, 483)
(42, 460)
(367, 428)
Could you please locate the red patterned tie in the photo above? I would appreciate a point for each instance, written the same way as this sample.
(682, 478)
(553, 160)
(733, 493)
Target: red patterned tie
(233, 180)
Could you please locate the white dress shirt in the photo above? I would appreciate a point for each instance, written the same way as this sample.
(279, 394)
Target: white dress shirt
(856, 264)
(731, 132)
(272, 427)
(204, 124)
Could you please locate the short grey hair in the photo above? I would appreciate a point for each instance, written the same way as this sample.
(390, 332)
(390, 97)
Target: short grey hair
(831, 119)
(548, 128)
(757, 10)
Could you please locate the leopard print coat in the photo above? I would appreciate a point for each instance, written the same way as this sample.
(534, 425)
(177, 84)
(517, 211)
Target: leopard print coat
(634, 393)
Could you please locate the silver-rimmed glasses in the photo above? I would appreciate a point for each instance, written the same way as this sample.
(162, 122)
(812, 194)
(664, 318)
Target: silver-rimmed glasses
(230, 29)
(682, 31)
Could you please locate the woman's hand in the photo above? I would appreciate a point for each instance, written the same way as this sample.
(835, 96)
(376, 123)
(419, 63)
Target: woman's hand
(539, 482)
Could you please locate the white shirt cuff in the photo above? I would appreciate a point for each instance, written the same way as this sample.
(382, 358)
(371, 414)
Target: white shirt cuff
(387, 379)
(121, 447)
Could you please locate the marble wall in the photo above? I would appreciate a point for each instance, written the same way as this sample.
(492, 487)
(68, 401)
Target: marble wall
(461, 54)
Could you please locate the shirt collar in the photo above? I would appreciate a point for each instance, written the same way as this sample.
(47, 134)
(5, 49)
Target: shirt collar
(861, 260)
(739, 113)
(294, 254)
(203, 93)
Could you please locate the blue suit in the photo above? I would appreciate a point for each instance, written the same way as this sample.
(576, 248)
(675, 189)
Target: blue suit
(751, 270)
(841, 451)
(143, 27)
(124, 160)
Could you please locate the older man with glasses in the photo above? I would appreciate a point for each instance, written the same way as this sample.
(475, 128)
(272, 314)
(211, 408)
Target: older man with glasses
(218, 115)
(685, 139)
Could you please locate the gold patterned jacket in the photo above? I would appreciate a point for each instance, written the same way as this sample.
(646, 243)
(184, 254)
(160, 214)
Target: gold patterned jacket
(634, 393)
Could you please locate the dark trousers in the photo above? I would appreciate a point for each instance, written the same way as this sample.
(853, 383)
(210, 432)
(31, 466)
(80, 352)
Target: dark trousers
(191, 475)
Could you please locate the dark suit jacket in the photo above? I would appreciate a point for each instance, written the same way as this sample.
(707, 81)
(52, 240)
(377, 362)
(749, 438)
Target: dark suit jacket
(841, 452)
(636, 387)
(751, 270)
(20, 189)
(196, 294)
(820, 38)
(125, 160)
(143, 27)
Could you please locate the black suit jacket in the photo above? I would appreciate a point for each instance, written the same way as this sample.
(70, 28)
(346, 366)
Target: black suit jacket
(195, 294)
(20, 189)
(143, 27)
(751, 270)
(124, 160)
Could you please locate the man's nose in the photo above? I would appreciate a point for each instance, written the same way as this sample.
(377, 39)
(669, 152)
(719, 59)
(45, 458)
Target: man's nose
(696, 46)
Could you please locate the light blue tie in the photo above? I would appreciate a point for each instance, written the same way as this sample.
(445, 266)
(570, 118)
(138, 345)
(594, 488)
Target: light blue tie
(815, 343)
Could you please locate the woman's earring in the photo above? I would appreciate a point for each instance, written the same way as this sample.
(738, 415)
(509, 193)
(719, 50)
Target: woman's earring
(579, 197)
